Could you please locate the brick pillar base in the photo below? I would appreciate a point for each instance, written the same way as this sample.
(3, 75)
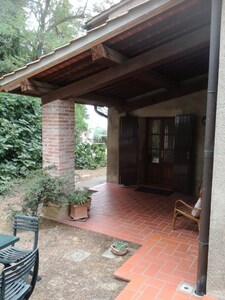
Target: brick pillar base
(58, 137)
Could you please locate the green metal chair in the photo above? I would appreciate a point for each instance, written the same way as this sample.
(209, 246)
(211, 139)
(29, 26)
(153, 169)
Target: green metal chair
(13, 254)
(15, 282)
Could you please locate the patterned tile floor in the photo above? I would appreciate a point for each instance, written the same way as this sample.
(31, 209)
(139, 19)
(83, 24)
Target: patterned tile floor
(167, 257)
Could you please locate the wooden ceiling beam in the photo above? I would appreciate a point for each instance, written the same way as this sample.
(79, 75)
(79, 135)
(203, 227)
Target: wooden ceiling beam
(36, 88)
(94, 99)
(186, 87)
(109, 57)
(185, 44)
(97, 99)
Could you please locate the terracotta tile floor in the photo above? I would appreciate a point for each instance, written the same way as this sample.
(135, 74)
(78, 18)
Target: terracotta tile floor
(166, 258)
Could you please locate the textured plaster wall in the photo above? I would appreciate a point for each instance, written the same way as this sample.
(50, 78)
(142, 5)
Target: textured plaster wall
(113, 146)
(216, 260)
(191, 104)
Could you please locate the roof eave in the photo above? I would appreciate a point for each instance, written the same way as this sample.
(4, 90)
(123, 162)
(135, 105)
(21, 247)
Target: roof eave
(98, 35)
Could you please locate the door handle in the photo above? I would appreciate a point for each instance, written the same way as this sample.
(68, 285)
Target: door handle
(162, 154)
(188, 155)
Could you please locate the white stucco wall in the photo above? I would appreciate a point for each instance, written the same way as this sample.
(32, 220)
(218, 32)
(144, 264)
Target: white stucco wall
(216, 260)
(192, 104)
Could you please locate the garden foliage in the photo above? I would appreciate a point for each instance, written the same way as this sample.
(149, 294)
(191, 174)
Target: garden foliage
(39, 188)
(90, 156)
(20, 136)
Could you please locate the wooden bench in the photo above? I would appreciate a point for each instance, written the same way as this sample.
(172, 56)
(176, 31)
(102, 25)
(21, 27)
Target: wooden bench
(15, 281)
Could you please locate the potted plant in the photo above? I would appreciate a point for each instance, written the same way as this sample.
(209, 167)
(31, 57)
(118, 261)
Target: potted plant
(119, 248)
(42, 193)
(79, 204)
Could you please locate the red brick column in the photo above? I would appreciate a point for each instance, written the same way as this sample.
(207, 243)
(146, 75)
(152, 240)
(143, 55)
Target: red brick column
(58, 137)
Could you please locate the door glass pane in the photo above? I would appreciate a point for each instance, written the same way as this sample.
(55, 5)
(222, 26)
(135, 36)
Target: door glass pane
(169, 127)
(155, 141)
(155, 127)
(155, 156)
(168, 142)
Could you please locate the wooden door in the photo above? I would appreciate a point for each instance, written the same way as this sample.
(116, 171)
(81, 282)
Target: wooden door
(160, 151)
(183, 154)
(128, 146)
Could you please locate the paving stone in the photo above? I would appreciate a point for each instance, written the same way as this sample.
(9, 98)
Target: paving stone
(77, 255)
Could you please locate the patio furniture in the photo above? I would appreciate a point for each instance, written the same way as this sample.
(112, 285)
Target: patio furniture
(7, 240)
(12, 254)
(183, 209)
(15, 283)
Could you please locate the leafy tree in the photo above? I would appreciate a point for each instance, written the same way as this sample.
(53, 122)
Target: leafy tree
(31, 28)
(100, 6)
(12, 25)
(55, 22)
(100, 135)
(81, 125)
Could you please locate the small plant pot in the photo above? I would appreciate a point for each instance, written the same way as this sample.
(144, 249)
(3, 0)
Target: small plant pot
(118, 250)
(79, 212)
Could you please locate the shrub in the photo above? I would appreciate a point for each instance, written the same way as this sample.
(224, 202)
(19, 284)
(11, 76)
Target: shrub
(79, 196)
(39, 188)
(90, 156)
(20, 136)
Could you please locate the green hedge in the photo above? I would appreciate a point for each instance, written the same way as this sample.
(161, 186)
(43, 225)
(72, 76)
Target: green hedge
(20, 136)
(90, 156)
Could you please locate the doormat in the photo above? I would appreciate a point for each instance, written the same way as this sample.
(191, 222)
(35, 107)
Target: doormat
(146, 189)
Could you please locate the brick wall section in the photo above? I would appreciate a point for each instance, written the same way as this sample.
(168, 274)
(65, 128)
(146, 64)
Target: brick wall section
(58, 136)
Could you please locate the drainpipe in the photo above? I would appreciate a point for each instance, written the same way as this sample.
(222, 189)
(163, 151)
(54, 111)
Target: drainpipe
(100, 113)
(209, 147)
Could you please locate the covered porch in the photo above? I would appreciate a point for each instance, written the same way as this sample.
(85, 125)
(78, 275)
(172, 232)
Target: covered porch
(167, 257)
(149, 59)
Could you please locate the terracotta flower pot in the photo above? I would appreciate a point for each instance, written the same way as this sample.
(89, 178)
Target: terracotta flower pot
(78, 212)
(119, 252)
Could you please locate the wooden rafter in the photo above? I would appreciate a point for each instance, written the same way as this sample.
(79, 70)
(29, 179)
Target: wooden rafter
(183, 45)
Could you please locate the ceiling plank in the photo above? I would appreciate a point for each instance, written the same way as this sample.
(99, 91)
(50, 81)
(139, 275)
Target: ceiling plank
(153, 58)
(155, 79)
(186, 87)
